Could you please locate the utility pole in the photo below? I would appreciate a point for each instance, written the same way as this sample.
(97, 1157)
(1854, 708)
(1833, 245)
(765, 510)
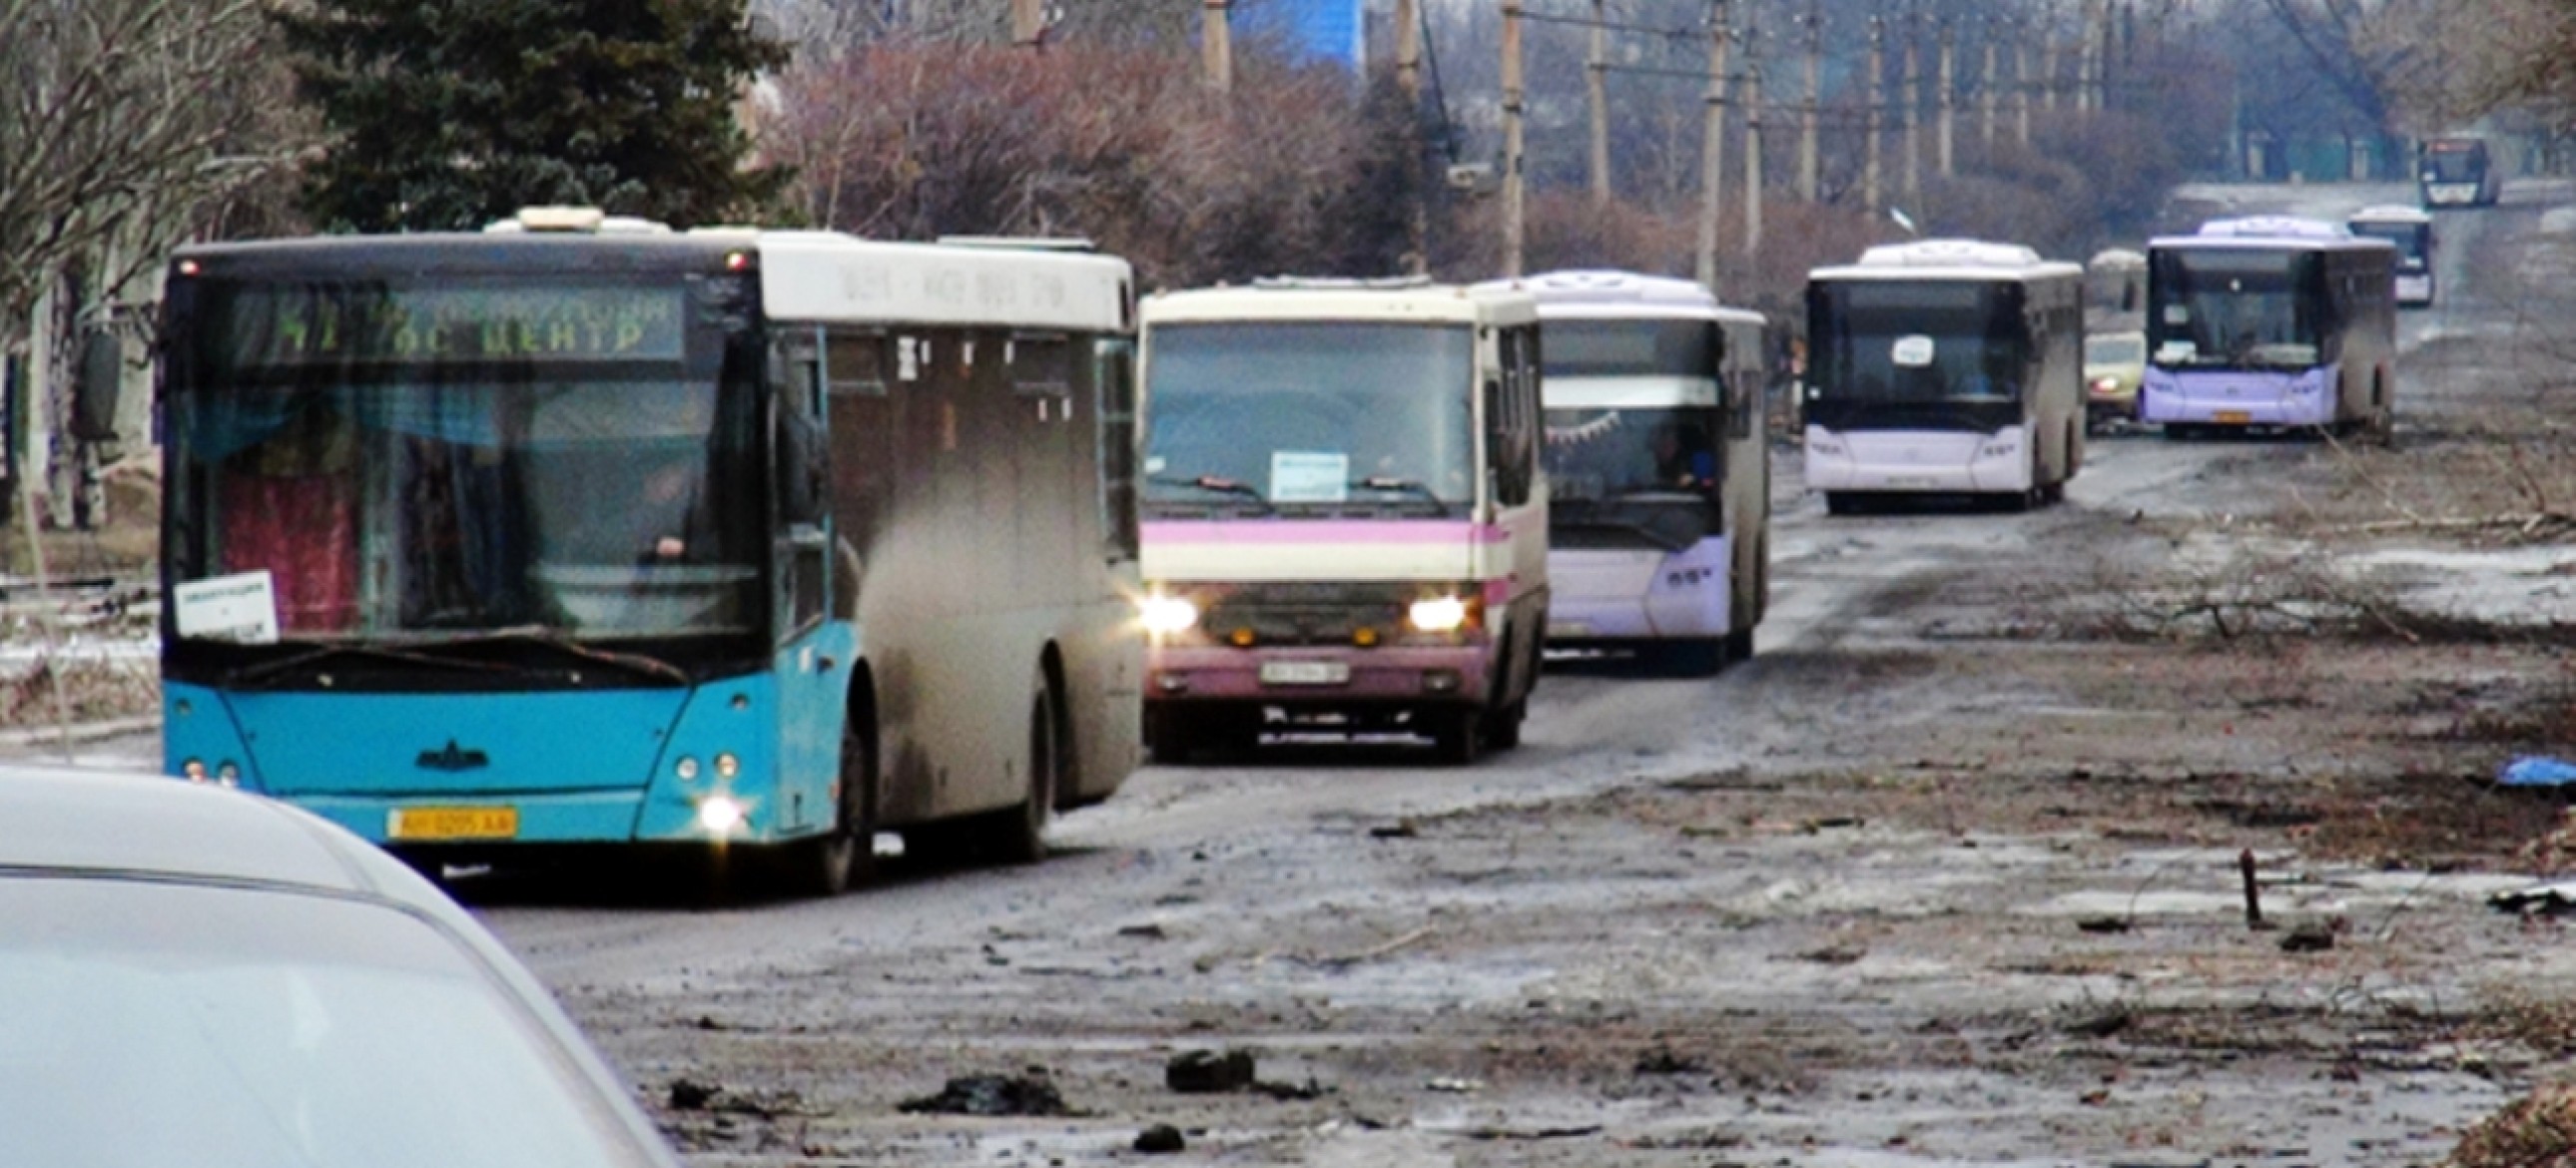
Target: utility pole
(1408, 81)
(1712, 156)
(2022, 83)
(1752, 139)
(2048, 69)
(2086, 60)
(1028, 22)
(1948, 100)
(1913, 108)
(1216, 44)
(1877, 91)
(1987, 97)
(1814, 113)
(1597, 82)
(1513, 177)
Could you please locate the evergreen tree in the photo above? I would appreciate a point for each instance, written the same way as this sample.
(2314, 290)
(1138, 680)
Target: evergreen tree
(447, 114)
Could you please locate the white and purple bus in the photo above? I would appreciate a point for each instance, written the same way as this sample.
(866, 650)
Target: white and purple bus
(2458, 170)
(1945, 367)
(2269, 323)
(2410, 231)
(1659, 512)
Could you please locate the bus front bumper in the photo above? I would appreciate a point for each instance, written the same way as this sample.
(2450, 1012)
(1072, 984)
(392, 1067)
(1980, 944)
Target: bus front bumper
(1320, 677)
(2250, 400)
(1918, 461)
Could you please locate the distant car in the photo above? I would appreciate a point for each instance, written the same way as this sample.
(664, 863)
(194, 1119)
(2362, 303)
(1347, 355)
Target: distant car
(2114, 364)
(202, 976)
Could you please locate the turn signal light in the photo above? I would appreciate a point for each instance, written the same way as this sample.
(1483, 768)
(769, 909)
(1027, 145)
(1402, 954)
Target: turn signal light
(1365, 638)
(1240, 638)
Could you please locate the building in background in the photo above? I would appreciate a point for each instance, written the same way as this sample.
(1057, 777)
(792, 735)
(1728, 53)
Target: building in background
(1321, 31)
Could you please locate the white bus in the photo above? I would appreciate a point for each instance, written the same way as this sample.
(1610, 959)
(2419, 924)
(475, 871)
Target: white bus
(1945, 367)
(742, 544)
(2459, 170)
(2270, 322)
(1659, 471)
(2115, 291)
(1345, 514)
(2410, 231)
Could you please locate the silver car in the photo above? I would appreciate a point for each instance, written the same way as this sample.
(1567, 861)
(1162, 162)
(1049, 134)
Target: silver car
(194, 975)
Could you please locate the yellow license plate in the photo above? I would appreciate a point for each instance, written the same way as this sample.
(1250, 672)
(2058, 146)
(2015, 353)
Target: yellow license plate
(2234, 417)
(452, 823)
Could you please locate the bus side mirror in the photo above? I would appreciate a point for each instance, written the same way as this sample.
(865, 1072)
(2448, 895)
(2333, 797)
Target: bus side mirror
(97, 385)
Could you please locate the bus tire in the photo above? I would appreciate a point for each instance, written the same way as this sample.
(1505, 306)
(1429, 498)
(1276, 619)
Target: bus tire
(1458, 735)
(1739, 644)
(846, 856)
(1698, 657)
(1017, 835)
(1506, 731)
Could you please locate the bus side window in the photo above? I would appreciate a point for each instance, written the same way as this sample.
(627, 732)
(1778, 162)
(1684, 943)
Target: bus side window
(1509, 449)
(797, 454)
(1114, 375)
(855, 363)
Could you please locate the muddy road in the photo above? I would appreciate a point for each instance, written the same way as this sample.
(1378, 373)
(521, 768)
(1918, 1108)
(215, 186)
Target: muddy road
(1949, 873)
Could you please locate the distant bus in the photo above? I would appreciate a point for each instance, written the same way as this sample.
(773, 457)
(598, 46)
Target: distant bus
(1345, 514)
(586, 532)
(2410, 231)
(2269, 322)
(1945, 367)
(2115, 290)
(2459, 171)
(1659, 474)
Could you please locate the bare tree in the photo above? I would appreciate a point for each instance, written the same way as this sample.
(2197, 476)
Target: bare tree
(120, 122)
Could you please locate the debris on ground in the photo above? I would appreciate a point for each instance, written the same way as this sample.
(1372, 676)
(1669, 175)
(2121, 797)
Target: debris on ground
(1401, 829)
(1456, 1086)
(1663, 1060)
(1148, 932)
(692, 1095)
(2538, 1131)
(2309, 937)
(2542, 900)
(2102, 1025)
(1204, 1072)
(1162, 1139)
(2103, 924)
(993, 1095)
(2535, 771)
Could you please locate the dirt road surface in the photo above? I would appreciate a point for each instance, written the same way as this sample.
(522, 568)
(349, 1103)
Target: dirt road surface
(1948, 874)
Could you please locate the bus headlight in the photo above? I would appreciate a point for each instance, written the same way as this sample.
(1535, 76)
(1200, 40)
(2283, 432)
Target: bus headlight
(720, 815)
(1166, 616)
(1438, 614)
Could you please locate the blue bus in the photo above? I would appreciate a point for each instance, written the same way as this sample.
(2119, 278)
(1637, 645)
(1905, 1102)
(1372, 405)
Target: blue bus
(2270, 322)
(581, 531)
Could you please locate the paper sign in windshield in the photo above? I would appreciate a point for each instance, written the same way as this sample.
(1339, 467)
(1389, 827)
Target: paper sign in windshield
(240, 608)
(1309, 476)
(1914, 352)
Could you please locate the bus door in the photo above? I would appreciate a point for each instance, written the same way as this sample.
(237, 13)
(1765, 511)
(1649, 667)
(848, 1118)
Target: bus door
(813, 662)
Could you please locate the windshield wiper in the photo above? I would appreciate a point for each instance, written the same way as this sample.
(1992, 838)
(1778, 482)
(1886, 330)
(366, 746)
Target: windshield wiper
(1222, 486)
(640, 663)
(1408, 486)
(251, 674)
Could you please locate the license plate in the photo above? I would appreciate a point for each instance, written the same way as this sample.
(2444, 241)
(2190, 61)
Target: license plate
(1305, 672)
(2234, 418)
(1916, 481)
(1568, 629)
(452, 823)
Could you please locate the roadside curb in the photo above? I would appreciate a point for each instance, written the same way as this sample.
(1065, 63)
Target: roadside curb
(80, 732)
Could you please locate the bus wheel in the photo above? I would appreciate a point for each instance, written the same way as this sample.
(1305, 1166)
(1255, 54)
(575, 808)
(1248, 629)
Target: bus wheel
(1017, 835)
(1460, 735)
(845, 857)
(1698, 657)
(1506, 731)
(1739, 644)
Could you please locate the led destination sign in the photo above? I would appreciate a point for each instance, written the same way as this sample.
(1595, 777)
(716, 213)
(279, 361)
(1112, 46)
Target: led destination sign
(312, 325)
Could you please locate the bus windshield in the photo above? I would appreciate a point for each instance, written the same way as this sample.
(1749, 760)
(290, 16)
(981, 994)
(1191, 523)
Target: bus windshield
(2455, 162)
(459, 460)
(1630, 348)
(2410, 239)
(1288, 413)
(1612, 453)
(2236, 308)
(1946, 342)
